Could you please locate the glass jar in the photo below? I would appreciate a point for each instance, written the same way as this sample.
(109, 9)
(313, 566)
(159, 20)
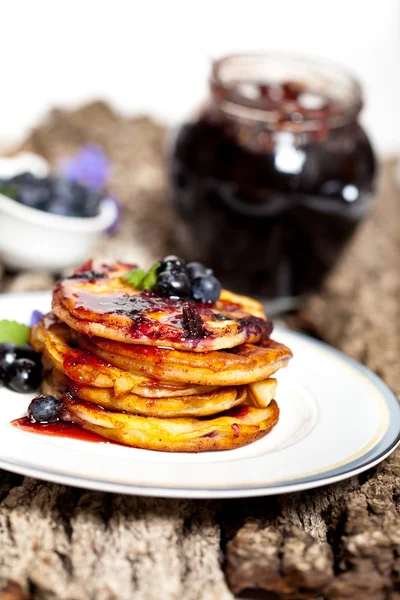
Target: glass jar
(274, 174)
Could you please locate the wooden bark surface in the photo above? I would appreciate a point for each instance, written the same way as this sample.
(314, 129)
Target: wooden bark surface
(338, 542)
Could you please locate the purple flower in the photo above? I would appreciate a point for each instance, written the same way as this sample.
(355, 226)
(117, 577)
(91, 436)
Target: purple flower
(90, 167)
(36, 316)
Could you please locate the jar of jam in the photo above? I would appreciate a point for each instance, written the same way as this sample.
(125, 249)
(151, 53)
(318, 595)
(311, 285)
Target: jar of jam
(274, 174)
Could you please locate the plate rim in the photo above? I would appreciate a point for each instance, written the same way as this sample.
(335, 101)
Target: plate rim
(371, 458)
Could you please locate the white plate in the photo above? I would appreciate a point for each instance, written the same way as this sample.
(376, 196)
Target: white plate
(337, 419)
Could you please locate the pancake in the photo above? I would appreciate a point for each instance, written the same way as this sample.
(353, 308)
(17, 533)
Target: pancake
(54, 339)
(140, 369)
(261, 393)
(101, 303)
(160, 373)
(245, 364)
(233, 429)
(182, 406)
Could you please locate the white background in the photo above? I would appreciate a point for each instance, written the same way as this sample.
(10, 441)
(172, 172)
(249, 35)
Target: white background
(153, 56)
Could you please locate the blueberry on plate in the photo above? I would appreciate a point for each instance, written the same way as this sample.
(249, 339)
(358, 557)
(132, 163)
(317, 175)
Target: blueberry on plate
(45, 409)
(8, 352)
(206, 289)
(172, 263)
(173, 284)
(26, 351)
(8, 355)
(23, 375)
(196, 269)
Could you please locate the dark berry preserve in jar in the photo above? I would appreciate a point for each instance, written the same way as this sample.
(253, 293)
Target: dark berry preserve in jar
(274, 174)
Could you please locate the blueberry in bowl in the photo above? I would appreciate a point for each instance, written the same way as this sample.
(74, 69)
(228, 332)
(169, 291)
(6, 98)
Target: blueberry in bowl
(54, 195)
(58, 220)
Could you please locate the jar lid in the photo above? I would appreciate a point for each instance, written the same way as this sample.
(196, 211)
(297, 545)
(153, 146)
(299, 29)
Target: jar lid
(285, 93)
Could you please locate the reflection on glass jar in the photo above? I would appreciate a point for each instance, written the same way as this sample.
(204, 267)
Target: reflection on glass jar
(271, 179)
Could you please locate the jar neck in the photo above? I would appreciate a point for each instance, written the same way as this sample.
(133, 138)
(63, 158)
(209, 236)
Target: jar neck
(261, 97)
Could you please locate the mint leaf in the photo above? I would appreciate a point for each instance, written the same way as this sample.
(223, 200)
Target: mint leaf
(135, 277)
(142, 280)
(150, 279)
(8, 190)
(13, 332)
(153, 268)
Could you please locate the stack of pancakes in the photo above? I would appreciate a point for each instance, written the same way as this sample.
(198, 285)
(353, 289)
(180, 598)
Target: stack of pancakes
(156, 373)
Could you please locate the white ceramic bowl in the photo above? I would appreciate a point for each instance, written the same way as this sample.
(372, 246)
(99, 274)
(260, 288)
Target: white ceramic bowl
(33, 239)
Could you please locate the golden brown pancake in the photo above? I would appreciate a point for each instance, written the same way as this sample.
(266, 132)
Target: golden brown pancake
(54, 339)
(245, 364)
(182, 406)
(238, 427)
(129, 367)
(261, 393)
(158, 373)
(101, 303)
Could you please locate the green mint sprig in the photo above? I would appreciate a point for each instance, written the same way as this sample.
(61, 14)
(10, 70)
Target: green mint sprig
(8, 190)
(13, 332)
(142, 280)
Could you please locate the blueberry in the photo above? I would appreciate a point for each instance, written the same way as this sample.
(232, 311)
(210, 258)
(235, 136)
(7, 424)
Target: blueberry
(91, 206)
(196, 269)
(26, 178)
(23, 375)
(35, 196)
(7, 352)
(45, 409)
(26, 351)
(67, 198)
(173, 284)
(206, 289)
(65, 191)
(57, 207)
(8, 355)
(172, 263)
